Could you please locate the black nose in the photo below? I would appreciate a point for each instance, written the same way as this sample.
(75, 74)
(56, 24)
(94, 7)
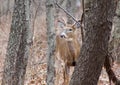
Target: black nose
(62, 36)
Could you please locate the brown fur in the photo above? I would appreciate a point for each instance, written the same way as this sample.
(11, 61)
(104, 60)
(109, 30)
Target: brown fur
(68, 49)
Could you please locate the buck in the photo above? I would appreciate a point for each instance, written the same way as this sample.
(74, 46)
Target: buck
(68, 47)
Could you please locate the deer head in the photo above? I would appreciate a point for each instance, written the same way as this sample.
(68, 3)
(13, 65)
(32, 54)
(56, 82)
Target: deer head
(68, 33)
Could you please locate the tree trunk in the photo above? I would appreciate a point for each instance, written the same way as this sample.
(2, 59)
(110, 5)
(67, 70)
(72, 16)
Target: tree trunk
(8, 6)
(116, 34)
(51, 42)
(18, 45)
(95, 46)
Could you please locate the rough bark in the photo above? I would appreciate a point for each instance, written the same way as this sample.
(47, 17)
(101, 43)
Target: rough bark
(95, 46)
(18, 45)
(51, 42)
(116, 34)
(107, 63)
(111, 75)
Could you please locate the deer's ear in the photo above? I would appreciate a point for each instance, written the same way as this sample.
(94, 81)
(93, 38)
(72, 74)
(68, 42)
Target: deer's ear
(76, 25)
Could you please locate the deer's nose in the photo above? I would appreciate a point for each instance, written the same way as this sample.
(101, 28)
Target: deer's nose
(62, 36)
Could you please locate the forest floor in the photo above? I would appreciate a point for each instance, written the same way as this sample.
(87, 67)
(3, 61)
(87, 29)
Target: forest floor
(36, 69)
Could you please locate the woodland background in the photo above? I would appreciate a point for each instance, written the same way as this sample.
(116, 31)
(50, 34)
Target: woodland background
(36, 68)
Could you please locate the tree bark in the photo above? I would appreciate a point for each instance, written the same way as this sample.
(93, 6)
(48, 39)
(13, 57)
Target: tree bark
(116, 34)
(95, 45)
(18, 45)
(51, 42)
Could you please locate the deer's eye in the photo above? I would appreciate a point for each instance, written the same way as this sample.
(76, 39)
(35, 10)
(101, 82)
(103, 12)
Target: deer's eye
(70, 29)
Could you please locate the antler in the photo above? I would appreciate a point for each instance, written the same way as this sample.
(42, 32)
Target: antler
(78, 22)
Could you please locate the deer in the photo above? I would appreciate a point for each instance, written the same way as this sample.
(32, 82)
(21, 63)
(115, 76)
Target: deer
(68, 48)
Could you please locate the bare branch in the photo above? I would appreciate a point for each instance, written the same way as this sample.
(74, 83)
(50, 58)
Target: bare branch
(66, 12)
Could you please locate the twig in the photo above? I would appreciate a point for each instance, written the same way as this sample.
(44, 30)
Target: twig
(67, 12)
(82, 30)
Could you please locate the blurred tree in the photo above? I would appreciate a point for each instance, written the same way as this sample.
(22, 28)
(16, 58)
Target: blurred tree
(19, 43)
(8, 6)
(71, 8)
(116, 34)
(98, 24)
(51, 42)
